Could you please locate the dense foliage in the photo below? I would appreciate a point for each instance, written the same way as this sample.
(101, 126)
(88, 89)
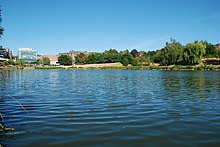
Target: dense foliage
(65, 60)
(210, 50)
(12, 62)
(125, 62)
(190, 54)
(174, 53)
(193, 53)
(44, 61)
(109, 56)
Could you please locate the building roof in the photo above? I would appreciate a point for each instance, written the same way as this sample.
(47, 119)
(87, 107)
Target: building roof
(51, 57)
(25, 49)
(75, 52)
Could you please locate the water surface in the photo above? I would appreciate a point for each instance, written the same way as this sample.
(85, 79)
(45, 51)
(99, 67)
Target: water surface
(110, 108)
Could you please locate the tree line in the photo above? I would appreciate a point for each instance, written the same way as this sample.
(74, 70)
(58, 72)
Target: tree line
(109, 56)
(174, 53)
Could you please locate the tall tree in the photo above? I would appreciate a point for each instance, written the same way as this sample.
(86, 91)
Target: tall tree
(81, 58)
(210, 49)
(110, 56)
(126, 54)
(93, 58)
(134, 62)
(172, 52)
(125, 62)
(65, 60)
(134, 53)
(193, 53)
(45, 61)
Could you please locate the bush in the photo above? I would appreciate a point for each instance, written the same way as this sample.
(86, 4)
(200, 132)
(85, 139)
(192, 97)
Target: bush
(176, 67)
(209, 67)
(200, 68)
(189, 67)
(65, 60)
(134, 62)
(125, 62)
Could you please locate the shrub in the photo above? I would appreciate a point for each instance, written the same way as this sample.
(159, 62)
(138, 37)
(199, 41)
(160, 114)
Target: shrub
(125, 62)
(176, 67)
(134, 62)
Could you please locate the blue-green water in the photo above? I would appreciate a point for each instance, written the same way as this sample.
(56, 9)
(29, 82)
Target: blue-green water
(110, 108)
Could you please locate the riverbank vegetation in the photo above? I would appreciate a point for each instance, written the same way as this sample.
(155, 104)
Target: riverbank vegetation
(174, 53)
(198, 55)
(150, 67)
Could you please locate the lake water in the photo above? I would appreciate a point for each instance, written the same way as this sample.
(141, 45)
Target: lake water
(110, 108)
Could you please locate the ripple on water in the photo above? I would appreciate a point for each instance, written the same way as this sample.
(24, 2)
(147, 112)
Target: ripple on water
(109, 108)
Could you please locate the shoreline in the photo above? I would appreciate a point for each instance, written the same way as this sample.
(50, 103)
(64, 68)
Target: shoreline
(153, 67)
(114, 66)
(11, 67)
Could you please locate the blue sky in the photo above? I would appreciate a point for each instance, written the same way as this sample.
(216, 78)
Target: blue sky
(53, 26)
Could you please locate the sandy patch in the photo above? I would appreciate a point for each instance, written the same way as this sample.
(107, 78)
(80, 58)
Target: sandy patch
(100, 65)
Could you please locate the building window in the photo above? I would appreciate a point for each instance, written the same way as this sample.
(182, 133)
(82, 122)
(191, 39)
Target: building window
(27, 55)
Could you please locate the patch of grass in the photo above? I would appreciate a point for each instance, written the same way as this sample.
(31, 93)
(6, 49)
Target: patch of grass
(113, 68)
(48, 67)
(72, 67)
(92, 68)
(210, 67)
(199, 68)
(176, 67)
(188, 67)
(152, 67)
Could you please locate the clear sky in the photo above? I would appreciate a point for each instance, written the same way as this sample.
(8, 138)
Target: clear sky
(53, 26)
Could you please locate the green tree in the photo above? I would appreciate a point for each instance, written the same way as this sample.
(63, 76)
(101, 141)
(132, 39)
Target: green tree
(218, 54)
(172, 53)
(19, 62)
(150, 55)
(158, 56)
(134, 53)
(125, 62)
(110, 56)
(93, 58)
(126, 54)
(210, 50)
(45, 61)
(143, 60)
(193, 53)
(81, 58)
(134, 62)
(65, 60)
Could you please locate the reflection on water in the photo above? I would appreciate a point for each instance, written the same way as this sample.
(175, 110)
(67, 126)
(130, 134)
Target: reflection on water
(111, 108)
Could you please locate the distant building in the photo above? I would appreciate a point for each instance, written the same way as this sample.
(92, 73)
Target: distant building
(218, 46)
(5, 53)
(15, 58)
(53, 59)
(72, 54)
(27, 55)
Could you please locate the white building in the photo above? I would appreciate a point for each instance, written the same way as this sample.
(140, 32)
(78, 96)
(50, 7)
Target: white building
(27, 55)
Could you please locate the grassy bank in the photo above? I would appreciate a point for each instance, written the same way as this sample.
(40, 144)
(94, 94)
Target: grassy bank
(11, 67)
(173, 67)
(49, 67)
(112, 67)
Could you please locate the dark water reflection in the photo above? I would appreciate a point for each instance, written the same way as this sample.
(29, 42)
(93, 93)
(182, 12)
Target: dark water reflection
(111, 108)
